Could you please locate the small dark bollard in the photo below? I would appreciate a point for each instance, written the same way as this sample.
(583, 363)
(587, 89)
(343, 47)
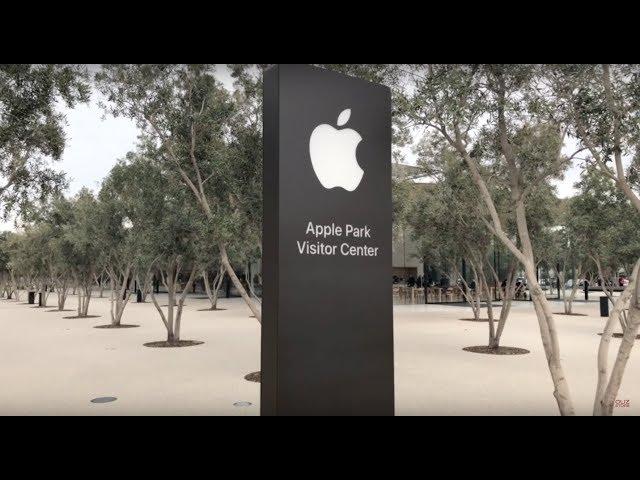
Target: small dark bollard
(32, 298)
(604, 306)
(139, 296)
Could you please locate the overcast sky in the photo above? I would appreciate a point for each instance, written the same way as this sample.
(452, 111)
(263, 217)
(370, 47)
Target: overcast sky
(95, 143)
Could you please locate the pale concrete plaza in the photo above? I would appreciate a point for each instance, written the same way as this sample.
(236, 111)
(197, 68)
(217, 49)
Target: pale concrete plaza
(54, 366)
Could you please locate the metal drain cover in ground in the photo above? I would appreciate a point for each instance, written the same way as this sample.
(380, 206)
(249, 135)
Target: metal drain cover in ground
(242, 404)
(104, 400)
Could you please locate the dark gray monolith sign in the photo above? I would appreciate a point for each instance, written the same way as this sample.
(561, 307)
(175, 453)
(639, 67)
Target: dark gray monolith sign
(327, 328)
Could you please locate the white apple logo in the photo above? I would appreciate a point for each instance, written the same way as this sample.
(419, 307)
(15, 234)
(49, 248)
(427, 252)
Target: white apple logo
(333, 155)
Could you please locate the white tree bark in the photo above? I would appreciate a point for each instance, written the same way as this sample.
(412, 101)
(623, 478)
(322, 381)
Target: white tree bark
(43, 292)
(84, 298)
(62, 290)
(568, 301)
(253, 306)
(546, 322)
(607, 388)
(468, 294)
(213, 293)
(119, 295)
(173, 318)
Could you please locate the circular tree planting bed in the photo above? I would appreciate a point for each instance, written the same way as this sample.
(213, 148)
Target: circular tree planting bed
(213, 310)
(481, 320)
(571, 314)
(620, 335)
(104, 400)
(59, 311)
(497, 351)
(77, 317)
(179, 344)
(254, 377)
(116, 327)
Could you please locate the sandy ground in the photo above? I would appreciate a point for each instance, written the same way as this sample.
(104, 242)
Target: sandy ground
(55, 366)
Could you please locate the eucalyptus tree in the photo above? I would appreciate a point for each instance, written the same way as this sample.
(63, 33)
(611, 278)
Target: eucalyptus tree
(546, 215)
(29, 252)
(606, 224)
(213, 275)
(601, 106)
(5, 273)
(244, 189)
(567, 257)
(191, 119)
(144, 277)
(84, 255)
(61, 270)
(444, 222)
(466, 103)
(32, 128)
(212, 270)
(12, 247)
(43, 259)
(118, 243)
(175, 237)
(167, 228)
(596, 216)
(39, 253)
(131, 190)
(54, 219)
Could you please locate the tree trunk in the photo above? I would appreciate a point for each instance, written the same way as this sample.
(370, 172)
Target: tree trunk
(100, 283)
(623, 355)
(207, 288)
(546, 321)
(605, 389)
(119, 295)
(525, 256)
(84, 298)
(172, 320)
(16, 287)
(622, 318)
(42, 289)
(183, 296)
(238, 284)
(568, 302)
(550, 343)
(217, 286)
(147, 286)
(62, 291)
(171, 294)
(118, 305)
(162, 315)
(507, 300)
(214, 293)
(467, 294)
(494, 339)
